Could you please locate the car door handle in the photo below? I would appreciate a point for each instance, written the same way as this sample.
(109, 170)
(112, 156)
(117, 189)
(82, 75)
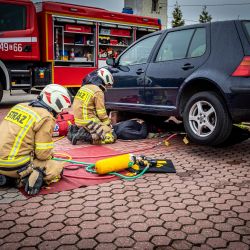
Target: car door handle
(139, 71)
(187, 66)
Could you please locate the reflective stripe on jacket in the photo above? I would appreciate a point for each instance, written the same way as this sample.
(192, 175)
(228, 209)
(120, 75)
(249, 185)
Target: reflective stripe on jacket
(25, 129)
(89, 106)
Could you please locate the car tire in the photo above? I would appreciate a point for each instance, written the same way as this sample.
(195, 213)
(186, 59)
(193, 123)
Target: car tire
(1, 92)
(206, 119)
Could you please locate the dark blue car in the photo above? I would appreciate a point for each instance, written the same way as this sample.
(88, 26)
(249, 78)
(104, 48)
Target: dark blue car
(200, 73)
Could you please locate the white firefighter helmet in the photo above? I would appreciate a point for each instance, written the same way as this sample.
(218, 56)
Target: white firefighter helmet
(56, 97)
(106, 76)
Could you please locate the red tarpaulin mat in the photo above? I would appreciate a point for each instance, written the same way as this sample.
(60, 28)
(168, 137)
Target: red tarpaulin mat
(89, 154)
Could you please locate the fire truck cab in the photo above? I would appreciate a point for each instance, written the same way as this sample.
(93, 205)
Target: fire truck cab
(53, 42)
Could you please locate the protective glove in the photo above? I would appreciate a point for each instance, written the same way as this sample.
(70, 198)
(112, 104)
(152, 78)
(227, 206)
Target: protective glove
(109, 138)
(34, 181)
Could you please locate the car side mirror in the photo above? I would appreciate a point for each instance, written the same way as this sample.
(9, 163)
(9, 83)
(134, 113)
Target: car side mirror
(111, 62)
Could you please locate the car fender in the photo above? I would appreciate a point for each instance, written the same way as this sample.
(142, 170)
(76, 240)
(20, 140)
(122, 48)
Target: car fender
(213, 76)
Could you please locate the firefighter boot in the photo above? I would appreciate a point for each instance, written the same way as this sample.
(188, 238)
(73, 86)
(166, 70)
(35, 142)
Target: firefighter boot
(7, 181)
(81, 135)
(72, 131)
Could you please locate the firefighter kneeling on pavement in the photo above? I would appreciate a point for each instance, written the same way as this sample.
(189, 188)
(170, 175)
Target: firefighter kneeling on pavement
(92, 123)
(26, 140)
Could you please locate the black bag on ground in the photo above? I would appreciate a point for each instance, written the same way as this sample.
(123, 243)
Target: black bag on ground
(133, 129)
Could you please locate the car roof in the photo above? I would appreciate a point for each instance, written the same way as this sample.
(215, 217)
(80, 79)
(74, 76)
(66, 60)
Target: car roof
(203, 24)
(192, 26)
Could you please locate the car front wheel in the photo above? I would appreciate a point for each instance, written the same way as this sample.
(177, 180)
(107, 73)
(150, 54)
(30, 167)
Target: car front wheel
(206, 119)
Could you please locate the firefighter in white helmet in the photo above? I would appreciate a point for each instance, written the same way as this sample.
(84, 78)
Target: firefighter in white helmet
(26, 140)
(92, 122)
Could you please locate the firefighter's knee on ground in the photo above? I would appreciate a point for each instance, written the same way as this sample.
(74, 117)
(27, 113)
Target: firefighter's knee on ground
(53, 171)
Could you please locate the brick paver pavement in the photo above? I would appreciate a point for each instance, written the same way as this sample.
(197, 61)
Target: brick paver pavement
(205, 205)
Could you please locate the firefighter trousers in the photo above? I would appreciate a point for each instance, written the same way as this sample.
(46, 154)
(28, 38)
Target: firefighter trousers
(52, 169)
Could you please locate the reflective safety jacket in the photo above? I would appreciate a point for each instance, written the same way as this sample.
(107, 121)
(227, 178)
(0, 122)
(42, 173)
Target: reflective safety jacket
(89, 105)
(24, 130)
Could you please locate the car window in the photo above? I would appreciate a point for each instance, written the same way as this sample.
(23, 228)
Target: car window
(247, 29)
(139, 53)
(175, 45)
(12, 17)
(198, 44)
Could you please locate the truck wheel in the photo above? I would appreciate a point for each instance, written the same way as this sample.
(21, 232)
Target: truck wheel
(1, 92)
(206, 119)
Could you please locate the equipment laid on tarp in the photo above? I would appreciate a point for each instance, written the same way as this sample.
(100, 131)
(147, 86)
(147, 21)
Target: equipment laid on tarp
(136, 166)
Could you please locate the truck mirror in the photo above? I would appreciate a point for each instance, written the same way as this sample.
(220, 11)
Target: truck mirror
(110, 61)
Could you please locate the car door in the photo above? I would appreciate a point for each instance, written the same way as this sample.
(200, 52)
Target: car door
(179, 55)
(129, 74)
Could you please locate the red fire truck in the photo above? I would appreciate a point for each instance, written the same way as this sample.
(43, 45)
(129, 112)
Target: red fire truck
(53, 42)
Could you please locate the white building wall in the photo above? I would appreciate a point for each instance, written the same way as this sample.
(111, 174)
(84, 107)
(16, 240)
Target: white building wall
(144, 8)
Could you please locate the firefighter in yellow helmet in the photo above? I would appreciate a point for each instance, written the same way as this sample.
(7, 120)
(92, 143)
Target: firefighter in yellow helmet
(26, 140)
(92, 122)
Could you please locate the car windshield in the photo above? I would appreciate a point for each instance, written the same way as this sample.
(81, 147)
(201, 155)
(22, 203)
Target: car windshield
(12, 17)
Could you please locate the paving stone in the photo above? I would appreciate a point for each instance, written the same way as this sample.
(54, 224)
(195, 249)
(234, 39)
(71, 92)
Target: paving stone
(181, 244)
(8, 246)
(105, 220)
(243, 230)
(51, 235)
(68, 239)
(39, 223)
(199, 216)
(176, 235)
(143, 245)
(246, 239)
(31, 241)
(209, 233)
(223, 227)
(141, 236)
(106, 228)
(160, 240)
(5, 232)
(191, 229)
(139, 226)
(124, 242)
(171, 225)
(7, 224)
(54, 226)
(105, 237)
(35, 231)
(154, 222)
(238, 245)
(103, 246)
(196, 239)
(119, 232)
(87, 244)
(88, 233)
(14, 237)
(230, 236)
(216, 243)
